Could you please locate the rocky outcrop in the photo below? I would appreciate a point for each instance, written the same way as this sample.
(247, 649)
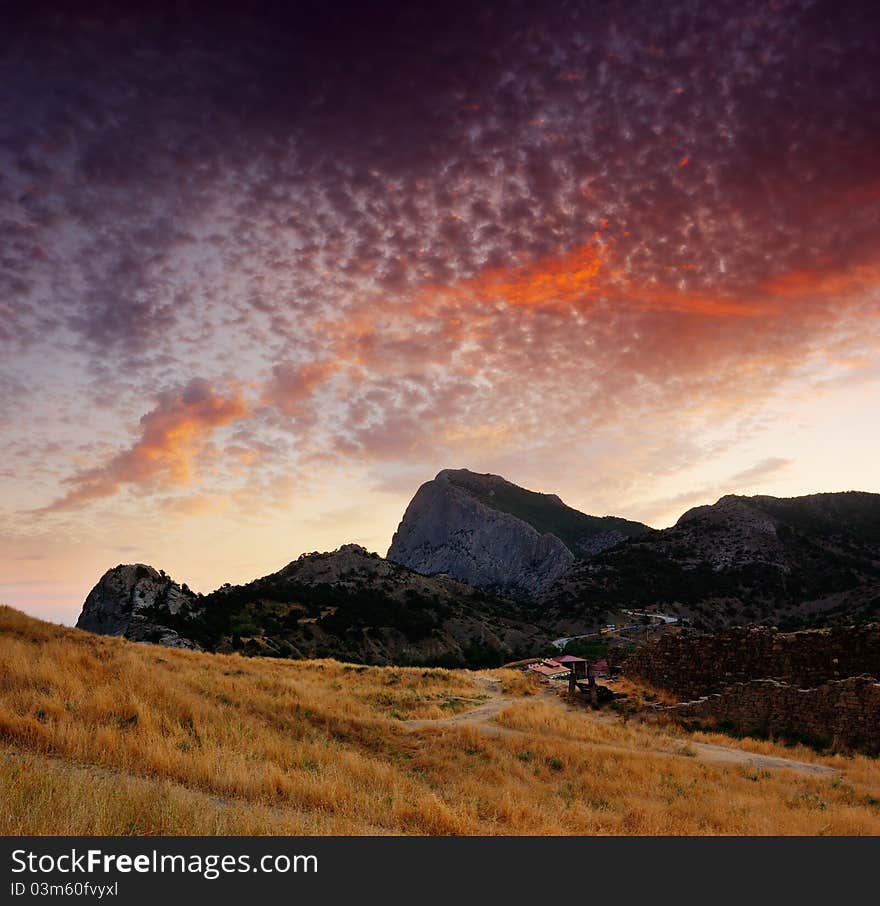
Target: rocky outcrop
(489, 533)
(133, 601)
(446, 530)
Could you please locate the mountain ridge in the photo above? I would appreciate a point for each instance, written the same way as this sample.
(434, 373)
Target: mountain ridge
(797, 560)
(794, 562)
(348, 603)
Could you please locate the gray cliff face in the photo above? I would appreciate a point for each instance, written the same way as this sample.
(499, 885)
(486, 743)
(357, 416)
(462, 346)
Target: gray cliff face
(129, 601)
(447, 530)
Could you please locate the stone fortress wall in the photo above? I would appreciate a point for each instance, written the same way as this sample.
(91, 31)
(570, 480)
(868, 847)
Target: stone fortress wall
(819, 686)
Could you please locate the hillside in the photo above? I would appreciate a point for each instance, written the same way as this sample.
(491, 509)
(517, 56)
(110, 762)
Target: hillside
(102, 736)
(348, 604)
(492, 534)
(800, 561)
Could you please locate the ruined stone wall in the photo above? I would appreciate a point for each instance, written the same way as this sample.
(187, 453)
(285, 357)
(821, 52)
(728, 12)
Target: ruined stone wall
(842, 714)
(693, 666)
(818, 686)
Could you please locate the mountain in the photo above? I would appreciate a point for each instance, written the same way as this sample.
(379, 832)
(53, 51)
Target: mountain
(348, 604)
(796, 561)
(492, 534)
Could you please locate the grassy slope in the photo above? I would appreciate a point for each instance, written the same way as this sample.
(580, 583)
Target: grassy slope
(106, 736)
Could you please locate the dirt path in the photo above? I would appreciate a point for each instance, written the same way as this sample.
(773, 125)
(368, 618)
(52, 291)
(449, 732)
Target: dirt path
(482, 718)
(722, 754)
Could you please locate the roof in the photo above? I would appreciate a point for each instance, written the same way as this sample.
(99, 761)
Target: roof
(561, 666)
(549, 667)
(544, 670)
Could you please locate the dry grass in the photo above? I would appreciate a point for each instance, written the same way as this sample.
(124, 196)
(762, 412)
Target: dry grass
(517, 682)
(105, 736)
(640, 695)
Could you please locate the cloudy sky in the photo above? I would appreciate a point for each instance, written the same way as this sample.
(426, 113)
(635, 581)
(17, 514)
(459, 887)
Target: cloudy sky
(263, 273)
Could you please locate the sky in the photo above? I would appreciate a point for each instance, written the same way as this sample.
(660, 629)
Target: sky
(263, 272)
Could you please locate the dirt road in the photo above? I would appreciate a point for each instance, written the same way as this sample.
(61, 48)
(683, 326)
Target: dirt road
(482, 718)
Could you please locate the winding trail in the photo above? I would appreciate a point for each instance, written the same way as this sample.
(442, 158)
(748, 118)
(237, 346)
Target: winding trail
(482, 719)
(481, 716)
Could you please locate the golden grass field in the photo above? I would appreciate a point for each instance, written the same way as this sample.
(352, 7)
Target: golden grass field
(103, 736)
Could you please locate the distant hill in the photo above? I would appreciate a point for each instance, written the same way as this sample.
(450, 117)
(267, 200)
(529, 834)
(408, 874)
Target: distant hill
(347, 604)
(492, 534)
(797, 561)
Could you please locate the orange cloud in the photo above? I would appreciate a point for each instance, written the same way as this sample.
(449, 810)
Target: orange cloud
(650, 297)
(582, 276)
(719, 348)
(587, 274)
(563, 279)
(830, 282)
(173, 435)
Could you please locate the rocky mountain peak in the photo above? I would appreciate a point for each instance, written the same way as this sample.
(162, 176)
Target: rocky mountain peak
(127, 600)
(332, 566)
(490, 533)
(355, 549)
(732, 511)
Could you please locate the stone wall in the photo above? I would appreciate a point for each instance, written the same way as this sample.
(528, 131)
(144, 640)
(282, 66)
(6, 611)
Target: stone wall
(693, 666)
(819, 686)
(841, 714)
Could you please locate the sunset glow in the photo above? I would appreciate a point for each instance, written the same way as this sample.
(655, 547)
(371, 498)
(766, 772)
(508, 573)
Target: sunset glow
(252, 299)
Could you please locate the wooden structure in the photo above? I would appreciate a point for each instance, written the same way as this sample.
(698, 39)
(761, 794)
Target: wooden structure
(582, 676)
(577, 670)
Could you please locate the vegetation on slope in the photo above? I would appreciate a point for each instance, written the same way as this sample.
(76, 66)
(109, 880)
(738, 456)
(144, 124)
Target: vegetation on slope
(793, 562)
(101, 735)
(351, 605)
(851, 518)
